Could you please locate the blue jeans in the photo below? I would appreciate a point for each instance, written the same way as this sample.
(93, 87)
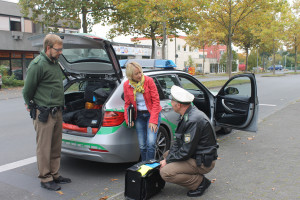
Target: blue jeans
(146, 137)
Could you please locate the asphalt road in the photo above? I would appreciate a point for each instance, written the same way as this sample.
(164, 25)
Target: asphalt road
(251, 165)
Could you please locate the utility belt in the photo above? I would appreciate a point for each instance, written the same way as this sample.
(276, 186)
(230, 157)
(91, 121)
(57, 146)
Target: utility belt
(44, 112)
(205, 159)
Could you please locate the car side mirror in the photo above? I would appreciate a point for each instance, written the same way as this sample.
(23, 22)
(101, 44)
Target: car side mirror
(231, 90)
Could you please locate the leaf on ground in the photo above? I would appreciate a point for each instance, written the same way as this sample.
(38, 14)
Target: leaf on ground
(243, 142)
(218, 158)
(114, 179)
(213, 180)
(103, 198)
(273, 189)
(105, 188)
(60, 192)
(250, 138)
(238, 138)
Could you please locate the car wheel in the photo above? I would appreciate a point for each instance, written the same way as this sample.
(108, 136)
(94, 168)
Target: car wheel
(162, 142)
(224, 131)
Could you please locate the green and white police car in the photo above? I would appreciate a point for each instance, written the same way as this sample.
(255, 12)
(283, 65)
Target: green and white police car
(94, 127)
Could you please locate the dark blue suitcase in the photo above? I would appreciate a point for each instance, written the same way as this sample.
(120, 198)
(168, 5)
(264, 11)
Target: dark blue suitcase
(138, 187)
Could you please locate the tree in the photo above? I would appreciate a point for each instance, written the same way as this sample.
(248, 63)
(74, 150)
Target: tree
(67, 13)
(203, 36)
(149, 17)
(292, 32)
(224, 57)
(226, 16)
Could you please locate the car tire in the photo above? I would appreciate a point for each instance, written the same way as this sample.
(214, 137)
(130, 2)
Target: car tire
(163, 142)
(224, 131)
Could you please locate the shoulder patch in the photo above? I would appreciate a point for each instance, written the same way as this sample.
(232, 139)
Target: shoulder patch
(186, 117)
(37, 59)
(187, 138)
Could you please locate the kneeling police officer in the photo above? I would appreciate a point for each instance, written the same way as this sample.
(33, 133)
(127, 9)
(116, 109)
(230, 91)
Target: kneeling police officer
(194, 152)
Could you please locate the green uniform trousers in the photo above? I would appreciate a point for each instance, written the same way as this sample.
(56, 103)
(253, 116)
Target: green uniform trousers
(48, 149)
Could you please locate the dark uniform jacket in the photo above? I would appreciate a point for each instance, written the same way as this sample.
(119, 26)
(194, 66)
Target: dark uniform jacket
(195, 138)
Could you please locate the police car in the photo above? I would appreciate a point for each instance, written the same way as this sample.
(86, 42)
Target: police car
(94, 127)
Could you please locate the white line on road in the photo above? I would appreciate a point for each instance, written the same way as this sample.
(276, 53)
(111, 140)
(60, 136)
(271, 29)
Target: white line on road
(17, 164)
(261, 104)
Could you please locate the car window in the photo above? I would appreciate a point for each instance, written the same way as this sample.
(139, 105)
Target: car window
(76, 55)
(240, 86)
(190, 86)
(165, 83)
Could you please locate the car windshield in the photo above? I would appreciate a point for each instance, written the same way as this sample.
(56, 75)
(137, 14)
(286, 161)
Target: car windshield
(78, 55)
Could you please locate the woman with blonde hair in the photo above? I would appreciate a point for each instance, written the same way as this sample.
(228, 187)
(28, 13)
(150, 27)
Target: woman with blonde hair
(141, 92)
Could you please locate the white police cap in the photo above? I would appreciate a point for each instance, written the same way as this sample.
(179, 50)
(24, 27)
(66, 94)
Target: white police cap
(181, 95)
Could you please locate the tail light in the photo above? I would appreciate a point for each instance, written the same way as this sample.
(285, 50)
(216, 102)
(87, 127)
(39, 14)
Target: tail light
(112, 118)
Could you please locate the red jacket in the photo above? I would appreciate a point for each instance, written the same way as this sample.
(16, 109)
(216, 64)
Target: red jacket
(151, 97)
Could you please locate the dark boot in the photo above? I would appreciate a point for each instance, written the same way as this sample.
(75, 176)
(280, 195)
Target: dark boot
(200, 190)
(62, 180)
(50, 185)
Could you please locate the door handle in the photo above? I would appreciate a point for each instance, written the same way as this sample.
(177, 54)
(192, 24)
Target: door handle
(226, 107)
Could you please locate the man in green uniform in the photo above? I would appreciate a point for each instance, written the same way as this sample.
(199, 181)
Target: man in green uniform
(44, 97)
(194, 152)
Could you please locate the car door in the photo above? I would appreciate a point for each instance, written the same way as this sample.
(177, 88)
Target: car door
(164, 84)
(237, 103)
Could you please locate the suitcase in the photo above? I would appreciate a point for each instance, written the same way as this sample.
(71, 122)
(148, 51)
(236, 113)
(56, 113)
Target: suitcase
(141, 187)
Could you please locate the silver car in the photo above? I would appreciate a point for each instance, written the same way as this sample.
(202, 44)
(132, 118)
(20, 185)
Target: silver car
(94, 127)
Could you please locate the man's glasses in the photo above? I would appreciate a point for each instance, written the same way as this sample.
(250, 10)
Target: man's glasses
(58, 50)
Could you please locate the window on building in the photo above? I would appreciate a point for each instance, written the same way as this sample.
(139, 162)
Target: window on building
(4, 23)
(190, 49)
(15, 24)
(28, 26)
(178, 47)
(184, 48)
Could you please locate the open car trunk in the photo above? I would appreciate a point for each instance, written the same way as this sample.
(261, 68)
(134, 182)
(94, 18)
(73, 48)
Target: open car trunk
(84, 100)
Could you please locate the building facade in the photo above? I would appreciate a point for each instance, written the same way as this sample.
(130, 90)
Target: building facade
(16, 51)
(180, 52)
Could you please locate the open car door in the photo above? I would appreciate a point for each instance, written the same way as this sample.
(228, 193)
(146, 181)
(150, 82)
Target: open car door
(237, 103)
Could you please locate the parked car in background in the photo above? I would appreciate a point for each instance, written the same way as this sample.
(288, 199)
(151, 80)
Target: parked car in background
(277, 67)
(0, 81)
(94, 127)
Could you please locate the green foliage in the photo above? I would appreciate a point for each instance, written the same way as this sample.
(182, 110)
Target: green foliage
(11, 81)
(50, 13)
(190, 62)
(223, 60)
(4, 70)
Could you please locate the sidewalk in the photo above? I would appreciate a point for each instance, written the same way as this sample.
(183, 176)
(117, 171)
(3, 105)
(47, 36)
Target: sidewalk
(10, 93)
(253, 166)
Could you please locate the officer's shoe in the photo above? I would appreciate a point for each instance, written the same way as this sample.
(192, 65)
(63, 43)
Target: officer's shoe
(50, 185)
(200, 190)
(62, 180)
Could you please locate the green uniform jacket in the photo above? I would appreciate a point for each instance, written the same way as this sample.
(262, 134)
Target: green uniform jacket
(44, 82)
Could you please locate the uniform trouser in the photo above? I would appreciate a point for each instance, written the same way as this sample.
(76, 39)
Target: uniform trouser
(185, 173)
(48, 140)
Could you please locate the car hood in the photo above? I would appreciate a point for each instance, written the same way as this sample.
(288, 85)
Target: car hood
(85, 54)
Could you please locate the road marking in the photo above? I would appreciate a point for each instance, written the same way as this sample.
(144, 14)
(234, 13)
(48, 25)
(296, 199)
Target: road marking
(261, 104)
(17, 164)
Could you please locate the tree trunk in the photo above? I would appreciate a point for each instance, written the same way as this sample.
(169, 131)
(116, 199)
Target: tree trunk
(273, 57)
(153, 49)
(164, 41)
(296, 58)
(229, 50)
(203, 59)
(84, 19)
(247, 55)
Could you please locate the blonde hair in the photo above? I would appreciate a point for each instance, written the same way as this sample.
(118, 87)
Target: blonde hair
(130, 68)
(51, 40)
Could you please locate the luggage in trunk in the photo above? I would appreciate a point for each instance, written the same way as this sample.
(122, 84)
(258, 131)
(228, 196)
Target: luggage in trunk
(143, 180)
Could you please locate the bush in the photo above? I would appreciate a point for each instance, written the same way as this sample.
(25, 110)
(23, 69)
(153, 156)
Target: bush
(11, 81)
(4, 70)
